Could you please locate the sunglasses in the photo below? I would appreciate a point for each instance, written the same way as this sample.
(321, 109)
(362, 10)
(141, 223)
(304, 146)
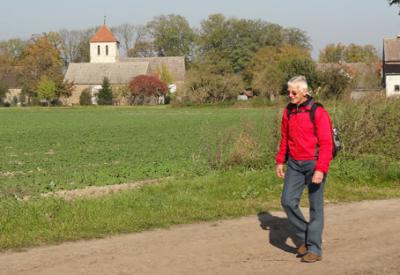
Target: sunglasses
(292, 93)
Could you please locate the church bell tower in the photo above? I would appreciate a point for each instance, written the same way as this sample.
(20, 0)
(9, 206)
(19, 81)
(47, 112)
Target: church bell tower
(104, 47)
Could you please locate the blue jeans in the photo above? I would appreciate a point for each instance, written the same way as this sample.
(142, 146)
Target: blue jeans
(297, 177)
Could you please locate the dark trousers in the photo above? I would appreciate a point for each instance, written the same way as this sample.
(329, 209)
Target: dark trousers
(297, 177)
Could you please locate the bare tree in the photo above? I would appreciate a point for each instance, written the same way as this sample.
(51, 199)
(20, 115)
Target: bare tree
(129, 35)
(75, 44)
(71, 41)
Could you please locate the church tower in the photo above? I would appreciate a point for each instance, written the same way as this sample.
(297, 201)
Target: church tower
(104, 47)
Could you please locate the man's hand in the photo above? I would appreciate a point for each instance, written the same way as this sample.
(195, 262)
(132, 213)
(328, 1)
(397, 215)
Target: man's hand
(279, 171)
(317, 177)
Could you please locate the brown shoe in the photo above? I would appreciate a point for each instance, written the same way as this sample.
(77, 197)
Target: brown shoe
(302, 250)
(311, 258)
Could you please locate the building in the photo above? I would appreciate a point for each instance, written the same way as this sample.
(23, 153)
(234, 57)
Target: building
(106, 62)
(9, 77)
(391, 65)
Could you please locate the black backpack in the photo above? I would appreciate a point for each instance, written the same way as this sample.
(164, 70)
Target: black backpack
(337, 146)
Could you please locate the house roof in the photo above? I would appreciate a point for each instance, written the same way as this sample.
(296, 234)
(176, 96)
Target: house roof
(103, 35)
(94, 73)
(391, 49)
(175, 64)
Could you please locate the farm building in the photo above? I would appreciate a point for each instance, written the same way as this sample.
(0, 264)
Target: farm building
(106, 62)
(9, 77)
(391, 65)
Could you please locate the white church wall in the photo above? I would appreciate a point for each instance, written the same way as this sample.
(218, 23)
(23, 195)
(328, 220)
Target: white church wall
(103, 57)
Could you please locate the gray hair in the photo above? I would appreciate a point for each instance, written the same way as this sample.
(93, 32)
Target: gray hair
(300, 81)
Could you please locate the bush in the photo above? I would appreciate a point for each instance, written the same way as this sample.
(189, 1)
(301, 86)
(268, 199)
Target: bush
(335, 82)
(85, 98)
(246, 150)
(46, 89)
(368, 126)
(206, 87)
(146, 89)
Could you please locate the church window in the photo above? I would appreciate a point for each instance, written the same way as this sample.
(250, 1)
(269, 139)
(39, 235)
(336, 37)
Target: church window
(106, 49)
(397, 88)
(98, 50)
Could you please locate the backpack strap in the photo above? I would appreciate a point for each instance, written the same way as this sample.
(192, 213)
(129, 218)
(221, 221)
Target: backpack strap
(289, 110)
(314, 107)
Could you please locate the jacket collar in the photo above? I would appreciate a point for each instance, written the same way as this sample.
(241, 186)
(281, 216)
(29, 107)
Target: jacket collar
(306, 103)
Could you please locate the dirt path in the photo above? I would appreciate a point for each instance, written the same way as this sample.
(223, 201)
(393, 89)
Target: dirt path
(360, 238)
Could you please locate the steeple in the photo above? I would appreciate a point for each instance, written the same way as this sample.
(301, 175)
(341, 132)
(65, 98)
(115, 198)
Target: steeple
(104, 47)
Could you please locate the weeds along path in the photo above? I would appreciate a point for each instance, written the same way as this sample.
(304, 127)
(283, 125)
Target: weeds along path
(359, 238)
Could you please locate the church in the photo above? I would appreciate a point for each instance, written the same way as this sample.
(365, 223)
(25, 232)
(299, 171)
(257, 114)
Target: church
(105, 61)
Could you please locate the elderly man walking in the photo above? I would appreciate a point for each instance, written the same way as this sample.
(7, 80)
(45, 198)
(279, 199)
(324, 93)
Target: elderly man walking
(306, 147)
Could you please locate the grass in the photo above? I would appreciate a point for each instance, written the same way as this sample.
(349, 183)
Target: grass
(49, 149)
(218, 195)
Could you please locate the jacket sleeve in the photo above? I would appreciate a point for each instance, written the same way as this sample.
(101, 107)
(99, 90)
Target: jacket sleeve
(324, 134)
(281, 155)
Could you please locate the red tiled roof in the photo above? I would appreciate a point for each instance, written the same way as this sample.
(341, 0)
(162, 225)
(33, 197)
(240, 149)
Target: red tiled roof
(103, 35)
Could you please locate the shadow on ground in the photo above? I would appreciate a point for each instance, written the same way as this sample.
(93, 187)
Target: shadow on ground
(279, 231)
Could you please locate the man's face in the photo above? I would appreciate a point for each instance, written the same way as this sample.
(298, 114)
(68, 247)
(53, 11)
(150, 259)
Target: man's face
(296, 95)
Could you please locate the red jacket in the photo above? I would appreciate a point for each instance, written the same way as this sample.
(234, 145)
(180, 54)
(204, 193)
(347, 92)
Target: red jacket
(298, 134)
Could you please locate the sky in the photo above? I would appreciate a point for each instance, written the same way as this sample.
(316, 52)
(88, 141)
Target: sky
(325, 21)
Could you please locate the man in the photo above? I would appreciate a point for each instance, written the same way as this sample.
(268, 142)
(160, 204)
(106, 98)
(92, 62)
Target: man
(307, 149)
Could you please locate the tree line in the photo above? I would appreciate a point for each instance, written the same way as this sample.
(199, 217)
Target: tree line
(223, 55)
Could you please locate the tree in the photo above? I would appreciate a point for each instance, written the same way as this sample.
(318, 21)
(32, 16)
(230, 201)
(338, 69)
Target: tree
(144, 87)
(128, 35)
(335, 81)
(40, 58)
(269, 81)
(105, 96)
(71, 44)
(205, 87)
(11, 51)
(292, 66)
(46, 89)
(75, 44)
(332, 53)
(63, 88)
(237, 40)
(356, 53)
(297, 38)
(269, 55)
(143, 49)
(211, 80)
(147, 85)
(335, 53)
(172, 35)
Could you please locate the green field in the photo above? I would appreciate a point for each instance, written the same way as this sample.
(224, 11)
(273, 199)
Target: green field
(47, 149)
(192, 150)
